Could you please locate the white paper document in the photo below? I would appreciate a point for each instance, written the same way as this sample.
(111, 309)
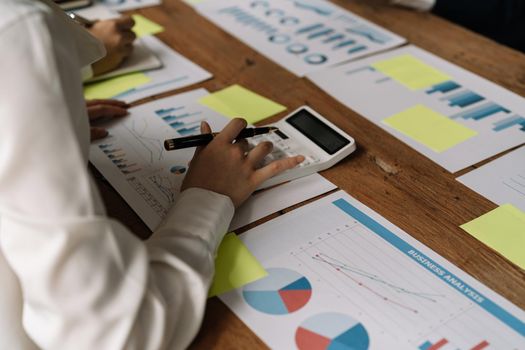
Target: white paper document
(343, 277)
(301, 35)
(132, 158)
(266, 202)
(96, 12)
(125, 5)
(502, 181)
(176, 72)
(141, 59)
(450, 115)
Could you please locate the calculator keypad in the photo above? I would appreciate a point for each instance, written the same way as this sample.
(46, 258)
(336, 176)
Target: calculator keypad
(282, 149)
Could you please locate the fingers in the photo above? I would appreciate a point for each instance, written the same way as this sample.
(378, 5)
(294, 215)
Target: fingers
(98, 133)
(205, 129)
(256, 155)
(117, 103)
(106, 111)
(275, 168)
(230, 131)
(127, 38)
(125, 22)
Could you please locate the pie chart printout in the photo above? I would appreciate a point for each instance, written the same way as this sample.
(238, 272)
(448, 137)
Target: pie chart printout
(281, 292)
(331, 331)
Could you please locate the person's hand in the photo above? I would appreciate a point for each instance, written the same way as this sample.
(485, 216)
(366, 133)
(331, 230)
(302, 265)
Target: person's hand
(224, 167)
(117, 37)
(99, 110)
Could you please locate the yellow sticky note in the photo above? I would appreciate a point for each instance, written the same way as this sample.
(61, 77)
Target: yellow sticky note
(144, 26)
(235, 266)
(236, 101)
(115, 86)
(502, 229)
(430, 128)
(411, 72)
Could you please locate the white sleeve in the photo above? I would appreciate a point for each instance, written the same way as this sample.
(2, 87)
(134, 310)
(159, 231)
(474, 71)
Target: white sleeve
(87, 73)
(87, 282)
(422, 5)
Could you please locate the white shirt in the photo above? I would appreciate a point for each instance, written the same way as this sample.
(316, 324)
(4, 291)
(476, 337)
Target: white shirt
(70, 277)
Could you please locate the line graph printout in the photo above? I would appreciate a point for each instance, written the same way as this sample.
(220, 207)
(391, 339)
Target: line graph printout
(372, 286)
(450, 115)
(502, 180)
(132, 158)
(301, 35)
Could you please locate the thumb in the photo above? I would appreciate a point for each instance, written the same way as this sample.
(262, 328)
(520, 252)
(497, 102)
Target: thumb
(205, 129)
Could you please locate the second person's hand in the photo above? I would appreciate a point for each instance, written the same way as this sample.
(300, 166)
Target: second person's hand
(224, 167)
(117, 36)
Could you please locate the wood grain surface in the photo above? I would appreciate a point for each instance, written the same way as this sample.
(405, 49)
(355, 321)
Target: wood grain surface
(385, 174)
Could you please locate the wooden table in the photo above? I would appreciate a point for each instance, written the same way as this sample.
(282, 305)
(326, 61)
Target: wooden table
(385, 174)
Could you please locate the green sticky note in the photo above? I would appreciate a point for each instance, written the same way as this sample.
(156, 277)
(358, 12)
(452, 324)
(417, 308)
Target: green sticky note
(411, 72)
(430, 128)
(115, 86)
(144, 26)
(235, 266)
(502, 229)
(236, 101)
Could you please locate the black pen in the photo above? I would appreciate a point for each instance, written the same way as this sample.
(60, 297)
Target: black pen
(204, 139)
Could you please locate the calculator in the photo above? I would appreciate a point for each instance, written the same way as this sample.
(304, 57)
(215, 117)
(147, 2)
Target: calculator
(304, 132)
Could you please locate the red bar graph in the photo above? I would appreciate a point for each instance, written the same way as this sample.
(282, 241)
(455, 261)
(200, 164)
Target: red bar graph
(481, 345)
(439, 344)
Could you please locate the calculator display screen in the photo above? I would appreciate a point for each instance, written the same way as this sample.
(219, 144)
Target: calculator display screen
(317, 131)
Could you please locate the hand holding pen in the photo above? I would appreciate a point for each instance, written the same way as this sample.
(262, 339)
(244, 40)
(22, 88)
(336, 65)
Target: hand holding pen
(204, 139)
(224, 167)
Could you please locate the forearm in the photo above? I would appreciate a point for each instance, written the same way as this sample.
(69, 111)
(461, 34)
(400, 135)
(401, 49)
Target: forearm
(90, 284)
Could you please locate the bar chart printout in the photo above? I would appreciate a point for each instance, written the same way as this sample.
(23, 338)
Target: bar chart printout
(372, 287)
(450, 115)
(132, 158)
(502, 180)
(301, 35)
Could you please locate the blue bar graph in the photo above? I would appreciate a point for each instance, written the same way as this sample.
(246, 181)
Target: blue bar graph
(482, 111)
(320, 33)
(444, 87)
(310, 28)
(510, 122)
(333, 38)
(369, 33)
(343, 44)
(167, 111)
(189, 131)
(464, 99)
(357, 49)
(118, 157)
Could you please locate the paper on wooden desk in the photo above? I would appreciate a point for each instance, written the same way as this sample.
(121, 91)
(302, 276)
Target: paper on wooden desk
(272, 200)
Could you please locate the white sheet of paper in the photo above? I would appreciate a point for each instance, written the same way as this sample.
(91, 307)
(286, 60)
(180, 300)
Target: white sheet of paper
(502, 180)
(375, 96)
(301, 35)
(270, 201)
(132, 158)
(176, 72)
(97, 11)
(141, 59)
(343, 277)
(125, 5)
